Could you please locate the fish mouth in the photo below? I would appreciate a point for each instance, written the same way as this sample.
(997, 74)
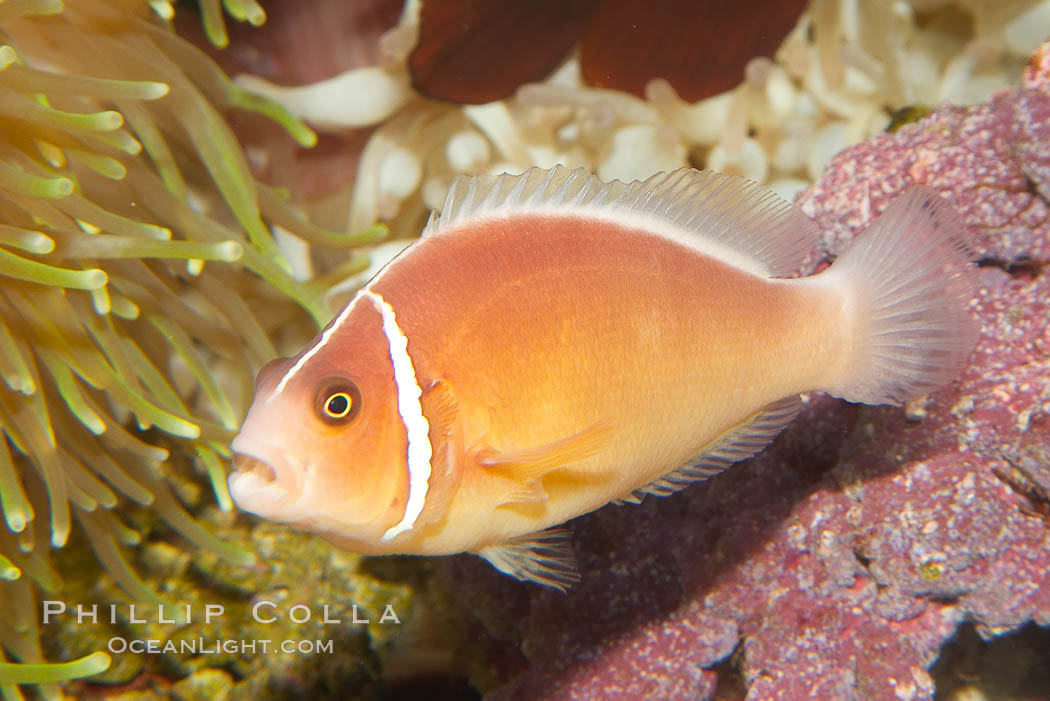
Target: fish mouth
(258, 469)
(261, 485)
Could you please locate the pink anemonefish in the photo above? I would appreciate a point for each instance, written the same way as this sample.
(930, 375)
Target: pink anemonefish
(554, 343)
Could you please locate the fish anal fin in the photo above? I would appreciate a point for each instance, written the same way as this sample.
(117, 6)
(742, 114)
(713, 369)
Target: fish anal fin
(545, 558)
(532, 464)
(442, 413)
(738, 443)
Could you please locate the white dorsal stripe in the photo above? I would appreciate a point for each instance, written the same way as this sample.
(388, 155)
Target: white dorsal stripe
(721, 215)
(417, 428)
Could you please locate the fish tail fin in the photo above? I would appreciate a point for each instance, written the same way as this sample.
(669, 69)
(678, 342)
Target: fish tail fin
(907, 281)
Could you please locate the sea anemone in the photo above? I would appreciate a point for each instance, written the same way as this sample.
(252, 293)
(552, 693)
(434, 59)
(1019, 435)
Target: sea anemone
(141, 285)
(837, 78)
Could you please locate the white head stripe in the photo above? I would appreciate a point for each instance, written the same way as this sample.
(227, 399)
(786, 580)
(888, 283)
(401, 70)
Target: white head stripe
(313, 350)
(417, 428)
(336, 324)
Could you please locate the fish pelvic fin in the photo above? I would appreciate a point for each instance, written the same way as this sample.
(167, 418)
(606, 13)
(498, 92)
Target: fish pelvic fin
(738, 443)
(531, 464)
(906, 283)
(545, 557)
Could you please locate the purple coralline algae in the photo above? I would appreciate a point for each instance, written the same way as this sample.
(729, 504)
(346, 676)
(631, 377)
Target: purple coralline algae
(838, 562)
(991, 160)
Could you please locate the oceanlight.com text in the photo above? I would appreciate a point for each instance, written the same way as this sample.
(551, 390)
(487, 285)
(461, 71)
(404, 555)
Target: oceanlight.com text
(202, 646)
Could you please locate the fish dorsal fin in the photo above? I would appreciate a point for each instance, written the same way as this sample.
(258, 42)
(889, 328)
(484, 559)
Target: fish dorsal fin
(738, 443)
(729, 217)
(545, 558)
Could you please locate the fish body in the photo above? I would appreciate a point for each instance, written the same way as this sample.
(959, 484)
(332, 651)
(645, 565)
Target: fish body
(553, 344)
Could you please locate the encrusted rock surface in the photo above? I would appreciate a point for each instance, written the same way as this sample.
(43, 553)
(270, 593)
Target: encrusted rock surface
(837, 563)
(991, 160)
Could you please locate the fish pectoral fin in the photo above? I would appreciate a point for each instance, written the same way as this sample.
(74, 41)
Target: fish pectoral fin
(738, 443)
(531, 492)
(545, 558)
(532, 464)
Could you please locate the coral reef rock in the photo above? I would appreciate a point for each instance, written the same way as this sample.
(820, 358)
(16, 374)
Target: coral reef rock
(837, 563)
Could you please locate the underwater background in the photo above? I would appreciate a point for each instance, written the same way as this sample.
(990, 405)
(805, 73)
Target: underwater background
(165, 230)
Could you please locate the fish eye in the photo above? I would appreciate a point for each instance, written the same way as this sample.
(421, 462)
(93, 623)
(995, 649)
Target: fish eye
(338, 405)
(338, 401)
